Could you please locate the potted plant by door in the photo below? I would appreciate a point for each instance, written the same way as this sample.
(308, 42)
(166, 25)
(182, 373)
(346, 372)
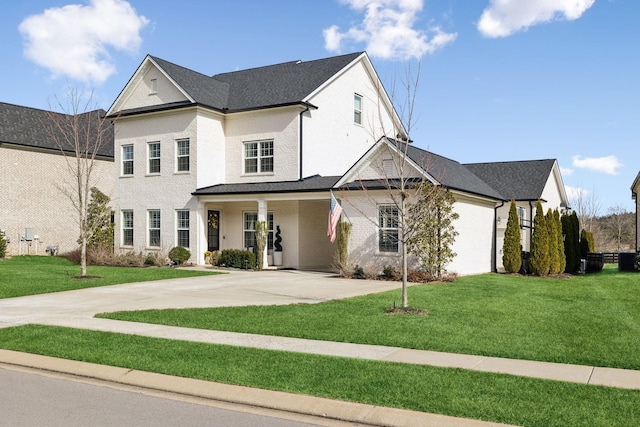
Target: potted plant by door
(277, 248)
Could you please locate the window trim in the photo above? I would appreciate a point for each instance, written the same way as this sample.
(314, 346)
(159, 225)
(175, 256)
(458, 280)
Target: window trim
(150, 159)
(180, 156)
(357, 109)
(182, 228)
(154, 229)
(384, 228)
(259, 158)
(124, 227)
(127, 160)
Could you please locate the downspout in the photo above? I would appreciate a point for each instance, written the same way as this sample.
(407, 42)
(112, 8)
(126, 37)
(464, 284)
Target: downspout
(494, 267)
(300, 138)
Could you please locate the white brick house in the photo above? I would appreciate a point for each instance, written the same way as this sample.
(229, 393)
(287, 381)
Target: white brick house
(33, 172)
(200, 159)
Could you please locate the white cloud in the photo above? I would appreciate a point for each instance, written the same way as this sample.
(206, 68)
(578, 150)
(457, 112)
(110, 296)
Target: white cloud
(388, 30)
(504, 17)
(566, 171)
(73, 40)
(608, 164)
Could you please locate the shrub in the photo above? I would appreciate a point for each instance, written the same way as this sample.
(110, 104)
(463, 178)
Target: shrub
(3, 246)
(390, 272)
(236, 258)
(358, 272)
(539, 260)
(179, 255)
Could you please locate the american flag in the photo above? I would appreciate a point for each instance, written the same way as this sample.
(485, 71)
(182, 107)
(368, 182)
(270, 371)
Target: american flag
(334, 218)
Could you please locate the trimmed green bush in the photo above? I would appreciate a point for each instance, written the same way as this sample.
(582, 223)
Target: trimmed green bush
(539, 261)
(560, 242)
(179, 255)
(3, 246)
(236, 258)
(512, 248)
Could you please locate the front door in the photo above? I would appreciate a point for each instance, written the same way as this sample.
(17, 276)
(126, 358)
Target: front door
(213, 233)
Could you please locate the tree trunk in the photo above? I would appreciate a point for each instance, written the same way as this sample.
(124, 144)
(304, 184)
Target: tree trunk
(83, 257)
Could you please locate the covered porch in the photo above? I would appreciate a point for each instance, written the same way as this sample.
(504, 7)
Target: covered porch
(227, 214)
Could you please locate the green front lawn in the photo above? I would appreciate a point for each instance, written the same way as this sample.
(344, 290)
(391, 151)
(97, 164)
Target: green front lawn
(455, 392)
(589, 320)
(31, 275)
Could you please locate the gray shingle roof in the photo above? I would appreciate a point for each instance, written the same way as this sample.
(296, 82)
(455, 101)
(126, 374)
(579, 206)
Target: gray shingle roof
(309, 184)
(451, 174)
(274, 85)
(27, 127)
(519, 180)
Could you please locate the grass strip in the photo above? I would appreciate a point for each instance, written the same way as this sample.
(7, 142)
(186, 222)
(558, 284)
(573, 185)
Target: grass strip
(32, 275)
(589, 320)
(455, 392)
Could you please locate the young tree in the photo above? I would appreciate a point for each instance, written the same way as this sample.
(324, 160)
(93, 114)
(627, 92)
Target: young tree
(539, 256)
(99, 219)
(512, 247)
(80, 134)
(431, 217)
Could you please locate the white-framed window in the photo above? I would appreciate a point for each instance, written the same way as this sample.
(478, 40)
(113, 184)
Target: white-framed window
(153, 86)
(388, 232)
(249, 230)
(127, 227)
(357, 109)
(127, 160)
(522, 215)
(182, 228)
(182, 155)
(154, 157)
(258, 156)
(154, 227)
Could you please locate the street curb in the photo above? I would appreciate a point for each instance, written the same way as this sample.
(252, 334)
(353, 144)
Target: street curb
(276, 400)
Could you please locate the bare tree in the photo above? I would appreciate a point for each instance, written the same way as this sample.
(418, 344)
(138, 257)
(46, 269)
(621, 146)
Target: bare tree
(399, 178)
(81, 134)
(587, 206)
(618, 226)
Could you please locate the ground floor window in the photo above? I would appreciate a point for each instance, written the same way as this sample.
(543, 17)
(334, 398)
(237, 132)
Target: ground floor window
(182, 228)
(388, 235)
(154, 228)
(127, 228)
(249, 230)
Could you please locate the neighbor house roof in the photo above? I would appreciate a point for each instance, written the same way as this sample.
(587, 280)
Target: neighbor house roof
(28, 127)
(282, 84)
(309, 184)
(519, 180)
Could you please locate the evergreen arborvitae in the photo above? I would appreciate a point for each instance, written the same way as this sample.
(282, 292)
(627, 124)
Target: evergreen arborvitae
(539, 257)
(559, 242)
(571, 230)
(575, 241)
(512, 248)
(568, 253)
(554, 256)
(584, 244)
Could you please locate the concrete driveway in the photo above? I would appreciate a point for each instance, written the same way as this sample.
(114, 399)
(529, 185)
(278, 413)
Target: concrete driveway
(237, 288)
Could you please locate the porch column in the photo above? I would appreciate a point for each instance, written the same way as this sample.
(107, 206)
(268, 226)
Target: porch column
(262, 216)
(201, 232)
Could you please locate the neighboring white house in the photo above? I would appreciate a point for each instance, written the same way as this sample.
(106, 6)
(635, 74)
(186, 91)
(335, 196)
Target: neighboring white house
(635, 190)
(34, 211)
(200, 159)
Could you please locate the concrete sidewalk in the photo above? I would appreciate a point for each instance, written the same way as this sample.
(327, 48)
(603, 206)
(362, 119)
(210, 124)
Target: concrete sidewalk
(77, 309)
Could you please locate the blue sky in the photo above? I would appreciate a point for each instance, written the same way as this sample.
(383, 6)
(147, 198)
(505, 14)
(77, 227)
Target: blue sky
(500, 80)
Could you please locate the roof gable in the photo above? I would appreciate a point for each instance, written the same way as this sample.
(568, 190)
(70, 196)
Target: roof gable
(282, 84)
(435, 168)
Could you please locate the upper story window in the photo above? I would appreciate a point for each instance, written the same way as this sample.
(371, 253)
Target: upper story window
(127, 228)
(357, 109)
(182, 155)
(127, 160)
(154, 157)
(258, 156)
(388, 235)
(522, 214)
